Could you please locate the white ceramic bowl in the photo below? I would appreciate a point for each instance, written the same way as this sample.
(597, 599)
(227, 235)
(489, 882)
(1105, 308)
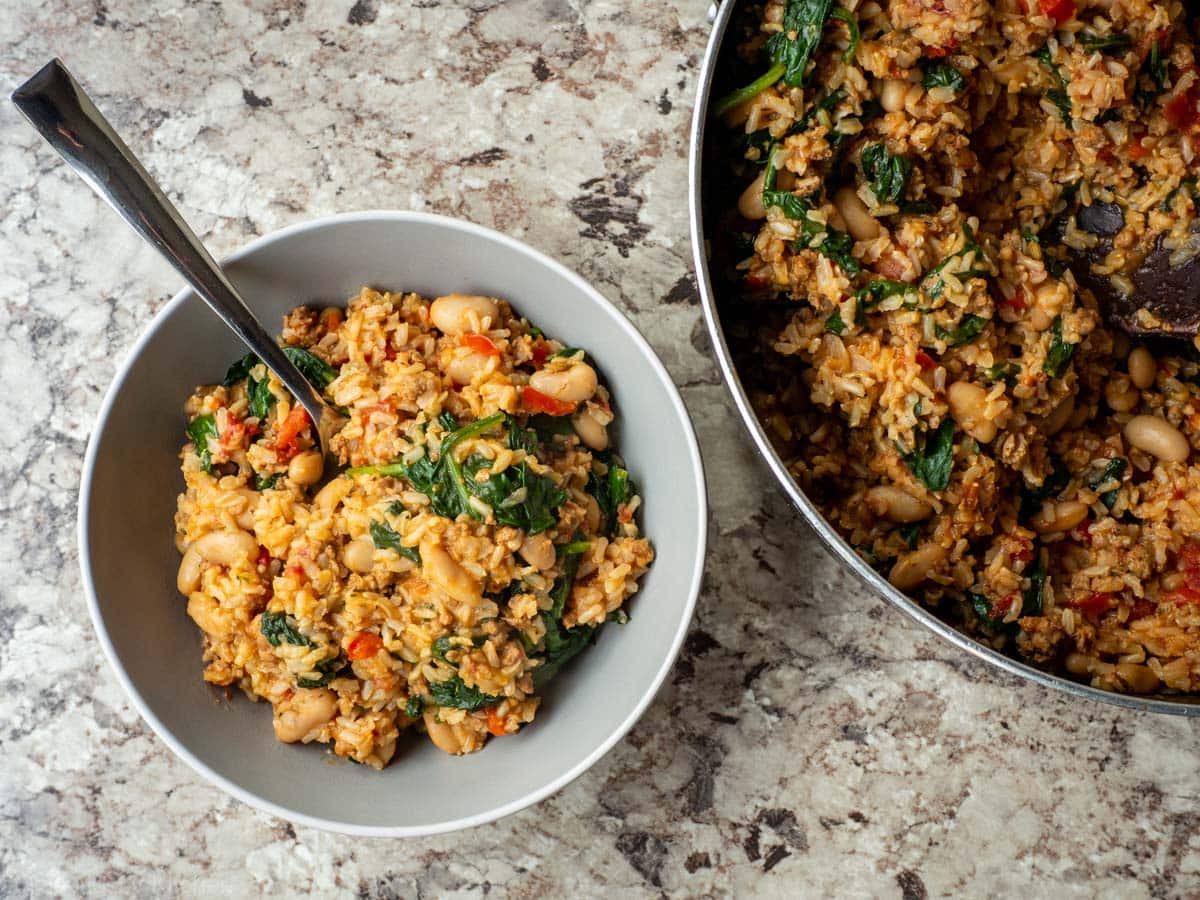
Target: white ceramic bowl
(126, 534)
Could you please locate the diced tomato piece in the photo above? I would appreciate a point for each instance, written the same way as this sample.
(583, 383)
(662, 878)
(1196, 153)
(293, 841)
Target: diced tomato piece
(756, 281)
(331, 318)
(480, 343)
(264, 557)
(495, 723)
(1181, 112)
(925, 361)
(1140, 610)
(1003, 607)
(1094, 605)
(390, 352)
(1136, 150)
(285, 437)
(536, 401)
(1083, 533)
(1059, 10)
(364, 645)
(624, 514)
(541, 350)
(296, 571)
(1016, 302)
(1184, 594)
(233, 434)
(1189, 556)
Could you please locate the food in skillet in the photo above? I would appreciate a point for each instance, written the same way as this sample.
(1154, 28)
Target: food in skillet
(933, 193)
(483, 532)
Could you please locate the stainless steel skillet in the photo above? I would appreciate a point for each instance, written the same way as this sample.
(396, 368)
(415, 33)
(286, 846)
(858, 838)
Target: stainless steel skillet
(717, 56)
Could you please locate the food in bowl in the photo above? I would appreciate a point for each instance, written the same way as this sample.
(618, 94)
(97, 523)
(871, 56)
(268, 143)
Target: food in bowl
(911, 253)
(483, 531)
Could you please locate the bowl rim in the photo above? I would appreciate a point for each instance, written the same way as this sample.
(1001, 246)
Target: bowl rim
(441, 827)
(834, 542)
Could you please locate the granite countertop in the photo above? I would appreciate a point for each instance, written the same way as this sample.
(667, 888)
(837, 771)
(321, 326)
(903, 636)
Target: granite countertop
(811, 740)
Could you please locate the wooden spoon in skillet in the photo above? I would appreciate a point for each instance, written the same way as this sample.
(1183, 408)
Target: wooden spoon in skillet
(1165, 301)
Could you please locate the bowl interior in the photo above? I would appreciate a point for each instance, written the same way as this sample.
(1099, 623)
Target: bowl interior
(128, 503)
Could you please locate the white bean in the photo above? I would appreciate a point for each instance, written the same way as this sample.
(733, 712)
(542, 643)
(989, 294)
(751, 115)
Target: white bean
(892, 94)
(1142, 368)
(1158, 437)
(591, 514)
(306, 468)
(591, 431)
(538, 551)
(859, 221)
(187, 579)
(573, 384)
(1119, 395)
(297, 717)
(359, 555)
(449, 738)
(750, 204)
(464, 313)
(463, 367)
(966, 401)
(203, 611)
(442, 569)
(896, 505)
(1058, 516)
(333, 493)
(913, 568)
(225, 548)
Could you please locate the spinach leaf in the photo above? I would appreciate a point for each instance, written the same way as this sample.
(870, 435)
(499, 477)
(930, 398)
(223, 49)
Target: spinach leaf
(1112, 471)
(327, 670)
(201, 430)
(933, 462)
(413, 707)
(610, 491)
(441, 647)
(982, 606)
(546, 427)
(1060, 352)
(1156, 66)
(456, 694)
(1185, 184)
(518, 497)
(565, 352)
(749, 92)
(968, 328)
(944, 75)
(793, 46)
(916, 207)
(1109, 43)
(562, 644)
(1032, 605)
(829, 101)
(265, 482)
(520, 438)
(279, 627)
(240, 369)
(836, 245)
(258, 391)
(1005, 371)
(887, 172)
(880, 289)
(933, 281)
(834, 323)
(847, 17)
(1051, 486)
(387, 538)
(318, 372)
(1058, 96)
(911, 534)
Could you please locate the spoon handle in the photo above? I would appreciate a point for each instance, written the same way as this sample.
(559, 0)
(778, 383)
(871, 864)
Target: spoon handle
(66, 117)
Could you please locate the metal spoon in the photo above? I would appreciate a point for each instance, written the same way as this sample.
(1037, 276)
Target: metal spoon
(66, 117)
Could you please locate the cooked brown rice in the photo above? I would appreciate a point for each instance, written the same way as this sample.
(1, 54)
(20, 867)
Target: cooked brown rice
(483, 534)
(936, 378)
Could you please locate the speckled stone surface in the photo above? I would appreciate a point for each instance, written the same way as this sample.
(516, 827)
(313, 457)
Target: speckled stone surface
(810, 741)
